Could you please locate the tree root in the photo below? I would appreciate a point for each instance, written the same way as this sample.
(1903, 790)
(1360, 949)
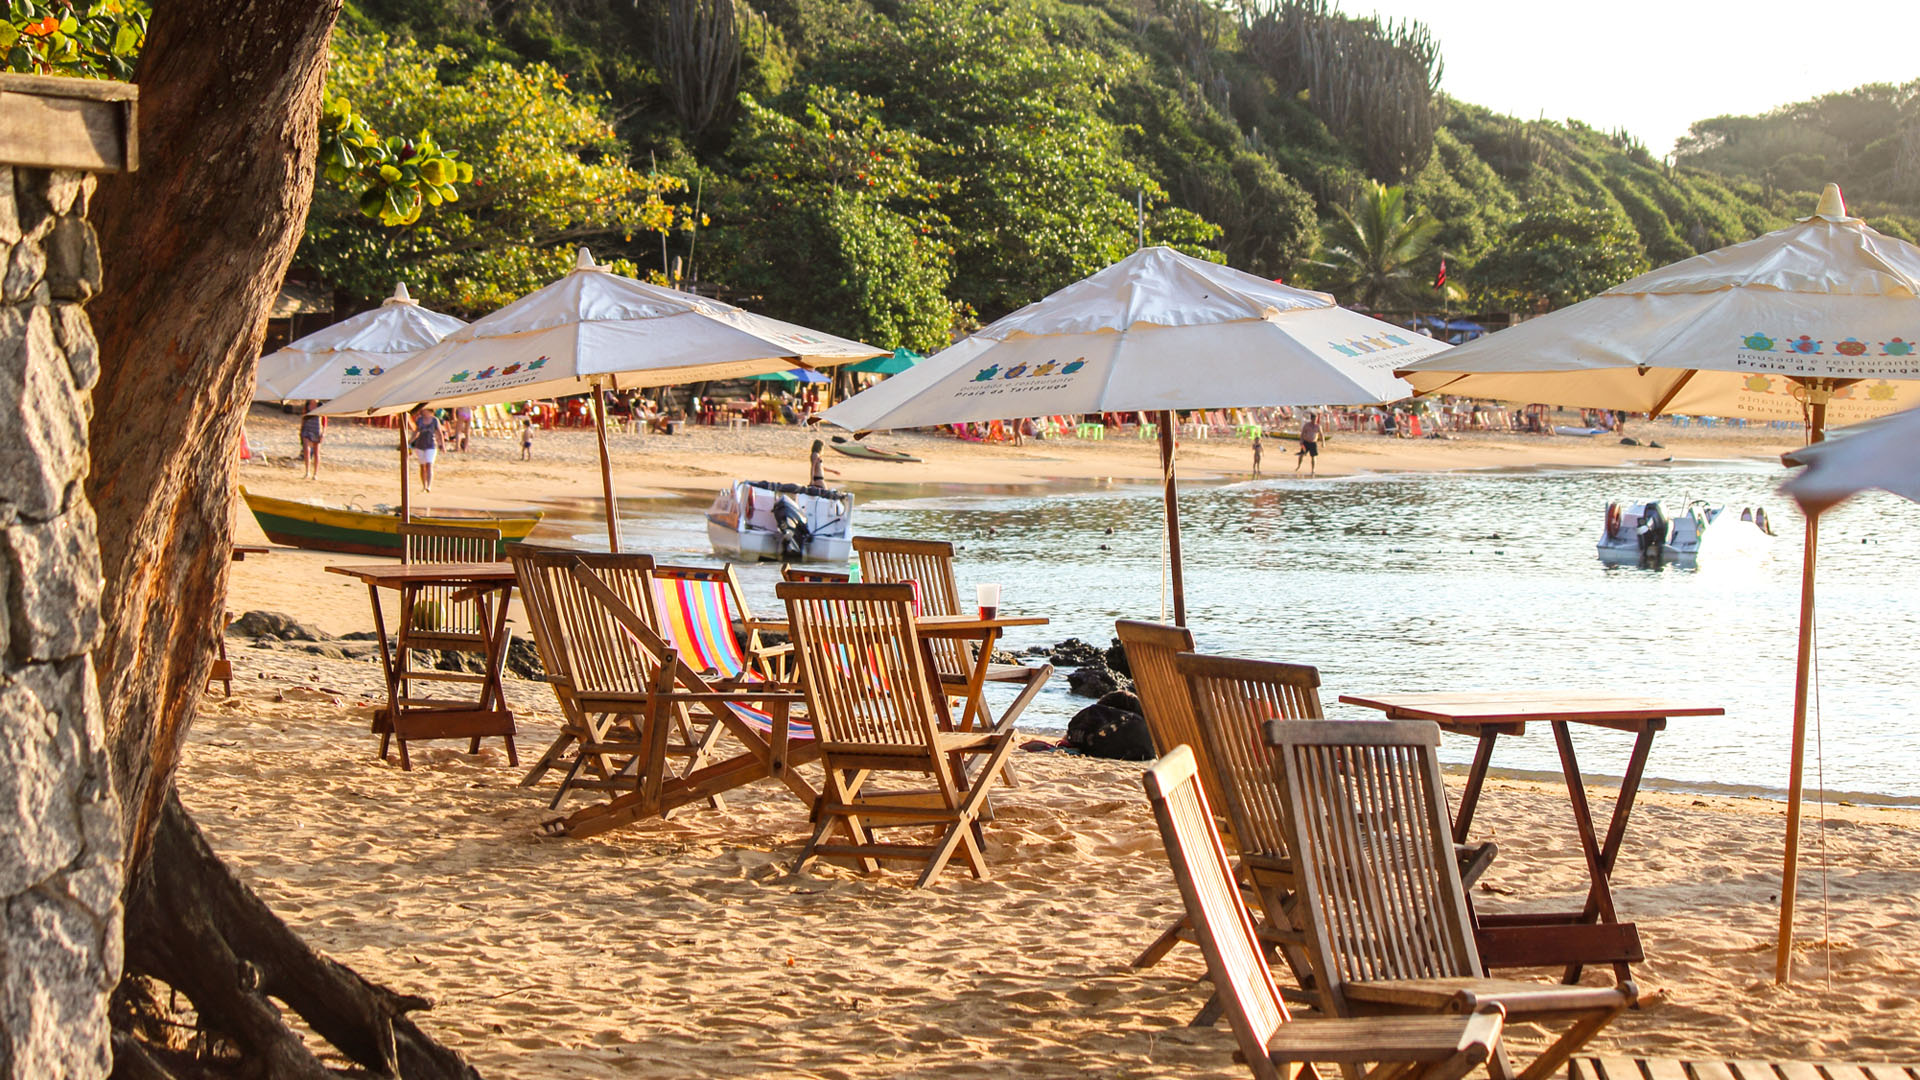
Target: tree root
(192, 925)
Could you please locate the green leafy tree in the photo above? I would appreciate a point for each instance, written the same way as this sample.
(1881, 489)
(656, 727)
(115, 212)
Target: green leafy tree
(1559, 253)
(833, 224)
(96, 40)
(1377, 250)
(548, 172)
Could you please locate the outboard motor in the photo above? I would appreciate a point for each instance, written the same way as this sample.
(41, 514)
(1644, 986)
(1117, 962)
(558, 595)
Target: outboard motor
(791, 520)
(1653, 533)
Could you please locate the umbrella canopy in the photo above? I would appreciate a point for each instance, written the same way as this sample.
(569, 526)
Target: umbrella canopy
(1817, 321)
(1157, 330)
(326, 364)
(797, 375)
(901, 360)
(1154, 332)
(1882, 454)
(1733, 332)
(594, 327)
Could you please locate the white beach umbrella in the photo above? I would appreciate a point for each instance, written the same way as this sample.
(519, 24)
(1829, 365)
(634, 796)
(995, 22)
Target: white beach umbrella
(592, 329)
(325, 364)
(1883, 454)
(1154, 332)
(1817, 321)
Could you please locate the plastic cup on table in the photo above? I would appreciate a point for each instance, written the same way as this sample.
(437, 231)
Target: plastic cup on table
(988, 597)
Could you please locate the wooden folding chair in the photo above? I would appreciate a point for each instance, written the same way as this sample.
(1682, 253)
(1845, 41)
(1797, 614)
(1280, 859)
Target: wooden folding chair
(439, 621)
(1270, 1042)
(696, 608)
(1365, 811)
(875, 698)
(928, 565)
(789, 572)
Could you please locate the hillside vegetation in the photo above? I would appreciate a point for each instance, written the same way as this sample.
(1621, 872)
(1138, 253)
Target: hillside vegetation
(892, 169)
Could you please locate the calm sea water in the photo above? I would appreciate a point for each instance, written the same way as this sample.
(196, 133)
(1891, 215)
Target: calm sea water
(1454, 581)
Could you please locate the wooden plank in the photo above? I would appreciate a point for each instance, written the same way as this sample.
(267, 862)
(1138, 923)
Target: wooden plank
(62, 86)
(1796, 1070)
(1752, 1070)
(66, 131)
(1552, 946)
(1618, 1068)
(1664, 1069)
(1582, 1069)
(1710, 1070)
(1840, 1071)
(453, 725)
(1484, 706)
(1886, 1072)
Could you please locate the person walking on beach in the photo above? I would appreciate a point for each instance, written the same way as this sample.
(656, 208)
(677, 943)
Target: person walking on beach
(1309, 446)
(526, 438)
(425, 443)
(313, 427)
(1256, 455)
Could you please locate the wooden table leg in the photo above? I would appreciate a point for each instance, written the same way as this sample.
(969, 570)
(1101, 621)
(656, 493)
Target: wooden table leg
(387, 668)
(492, 692)
(1476, 779)
(1600, 894)
(402, 665)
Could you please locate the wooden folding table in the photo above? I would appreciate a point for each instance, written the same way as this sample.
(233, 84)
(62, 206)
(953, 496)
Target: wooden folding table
(1594, 934)
(409, 718)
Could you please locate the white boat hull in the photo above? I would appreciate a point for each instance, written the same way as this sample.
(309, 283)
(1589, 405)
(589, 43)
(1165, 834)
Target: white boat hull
(1712, 531)
(742, 524)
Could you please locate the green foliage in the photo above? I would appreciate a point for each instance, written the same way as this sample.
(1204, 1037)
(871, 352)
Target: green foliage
(1377, 251)
(99, 39)
(393, 178)
(1557, 253)
(548, 172)
(1867, 140)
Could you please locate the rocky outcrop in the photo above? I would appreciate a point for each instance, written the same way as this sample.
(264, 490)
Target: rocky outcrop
(1112, 728)
(60, 847)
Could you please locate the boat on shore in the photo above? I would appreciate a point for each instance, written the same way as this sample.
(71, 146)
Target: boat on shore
(355, 531)
(755, 520)
(1642, 534)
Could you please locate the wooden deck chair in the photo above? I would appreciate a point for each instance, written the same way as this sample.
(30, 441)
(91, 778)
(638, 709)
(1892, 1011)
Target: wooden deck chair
(620, 667)
(1271, 1043)
(1387, 921)
(816, 577)
(696, 608)
(879, 709)
(439, 622)
(599, 751)
(929, 565)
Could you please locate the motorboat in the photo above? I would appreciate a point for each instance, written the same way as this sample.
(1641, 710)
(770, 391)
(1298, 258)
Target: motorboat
(1644, 534)
(752, 520)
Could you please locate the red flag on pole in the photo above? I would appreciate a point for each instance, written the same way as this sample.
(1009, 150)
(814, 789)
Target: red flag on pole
(1441, 279)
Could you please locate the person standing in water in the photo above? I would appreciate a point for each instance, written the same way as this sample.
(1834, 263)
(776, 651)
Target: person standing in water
(1309, 446)
(425, 443)
(313, 427)
(1256, 455)
(818, 468)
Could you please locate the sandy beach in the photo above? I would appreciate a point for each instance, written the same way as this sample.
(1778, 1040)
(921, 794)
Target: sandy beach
(686, 949)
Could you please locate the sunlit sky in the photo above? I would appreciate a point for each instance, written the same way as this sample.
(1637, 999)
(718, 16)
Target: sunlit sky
(1655, 67)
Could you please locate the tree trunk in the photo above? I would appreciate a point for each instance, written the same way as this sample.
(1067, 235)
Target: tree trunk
(195, 244)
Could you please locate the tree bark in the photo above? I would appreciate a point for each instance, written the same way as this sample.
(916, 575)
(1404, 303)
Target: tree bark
(196, 245)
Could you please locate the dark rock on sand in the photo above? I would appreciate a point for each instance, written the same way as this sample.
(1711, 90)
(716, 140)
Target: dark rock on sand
(1117, 658)
(273, 624)
(1073, 653)
(1105, 732)
(523, 659)
(1002, 656)
(1124, 700)
(1628, 440)
(360, 635)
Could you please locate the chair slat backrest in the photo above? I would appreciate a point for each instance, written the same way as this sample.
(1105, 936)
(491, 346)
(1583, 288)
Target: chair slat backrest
(860, 662)
(1373, 852)
(441, 544)
(697, 607)
(928, 565)
(1219, 916)
(537, 601)
(601, 656)
(1232, 701)
(1168, 706)
(814, 577)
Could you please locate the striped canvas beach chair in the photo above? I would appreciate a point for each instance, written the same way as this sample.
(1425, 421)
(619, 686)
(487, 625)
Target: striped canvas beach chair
(697, 608)
(637, 674)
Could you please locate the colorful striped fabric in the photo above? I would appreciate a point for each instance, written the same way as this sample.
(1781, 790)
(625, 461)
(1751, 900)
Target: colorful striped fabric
(798, 729)
(697, 618)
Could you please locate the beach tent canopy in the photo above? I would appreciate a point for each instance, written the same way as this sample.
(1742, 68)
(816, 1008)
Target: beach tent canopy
(1733, 332)
(1154, 332)
(1883, 454)
(901, 360)
(1157, 330)
(1816, 321)
(797, 375)
(330, 362)
(595, 327)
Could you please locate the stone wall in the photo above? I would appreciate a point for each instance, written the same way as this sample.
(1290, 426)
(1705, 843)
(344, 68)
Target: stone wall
(60, 934)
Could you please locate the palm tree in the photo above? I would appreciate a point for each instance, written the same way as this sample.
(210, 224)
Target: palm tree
(1375, 250)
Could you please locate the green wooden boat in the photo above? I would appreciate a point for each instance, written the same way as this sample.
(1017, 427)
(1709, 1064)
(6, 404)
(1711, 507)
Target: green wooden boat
(370, 532)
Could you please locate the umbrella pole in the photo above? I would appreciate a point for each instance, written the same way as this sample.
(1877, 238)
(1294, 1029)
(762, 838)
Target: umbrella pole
(1803, 665)
(406, 502)
(1173, 518)
(606, 468)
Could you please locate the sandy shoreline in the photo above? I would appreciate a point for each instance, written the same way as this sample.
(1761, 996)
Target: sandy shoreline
(684, 948)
